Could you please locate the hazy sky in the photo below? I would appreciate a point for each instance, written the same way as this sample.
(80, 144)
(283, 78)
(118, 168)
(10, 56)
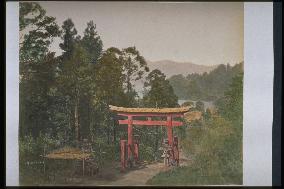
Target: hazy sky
(202, 33)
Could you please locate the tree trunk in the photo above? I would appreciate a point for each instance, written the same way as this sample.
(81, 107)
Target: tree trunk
(76, 122)
(88, 121)
(71, 121)
(108, 135)
(76, 116)
(114, 131)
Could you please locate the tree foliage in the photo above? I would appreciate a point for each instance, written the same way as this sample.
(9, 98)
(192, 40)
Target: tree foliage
(36, 31)
(69, 38)
(159, 93)
(71, 92)
(231, 105)
(92, 42)
(200, 106)
(206, 86)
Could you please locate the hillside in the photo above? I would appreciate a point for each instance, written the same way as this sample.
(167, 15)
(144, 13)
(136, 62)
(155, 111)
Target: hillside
(170, 68)
(209, 86)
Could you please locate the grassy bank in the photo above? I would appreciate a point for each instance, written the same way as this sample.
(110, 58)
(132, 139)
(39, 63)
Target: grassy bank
(215, 146)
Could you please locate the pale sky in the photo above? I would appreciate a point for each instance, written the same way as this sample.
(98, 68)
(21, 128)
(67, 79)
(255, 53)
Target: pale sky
(201, 33)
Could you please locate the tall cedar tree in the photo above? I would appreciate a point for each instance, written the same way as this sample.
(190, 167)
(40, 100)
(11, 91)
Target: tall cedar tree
(36, 31)
(69, 38)
(37, 66)
(92, 42)
(134, 67)
(161, 93)
(76, 81)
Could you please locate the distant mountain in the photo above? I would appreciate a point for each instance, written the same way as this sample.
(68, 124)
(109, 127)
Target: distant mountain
(170, 68)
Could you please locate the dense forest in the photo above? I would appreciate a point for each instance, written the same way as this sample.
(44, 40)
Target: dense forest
(65, 99)
(73, 91)
(206, 86)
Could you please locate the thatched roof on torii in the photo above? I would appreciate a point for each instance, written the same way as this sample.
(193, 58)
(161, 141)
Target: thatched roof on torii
(149, 110)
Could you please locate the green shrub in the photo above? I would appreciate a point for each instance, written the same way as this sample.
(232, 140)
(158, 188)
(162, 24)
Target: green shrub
(216, 150)
(32, 150)
(146, 153)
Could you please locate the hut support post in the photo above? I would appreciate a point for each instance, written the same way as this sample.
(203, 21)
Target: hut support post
(44, 159)
(83, 166)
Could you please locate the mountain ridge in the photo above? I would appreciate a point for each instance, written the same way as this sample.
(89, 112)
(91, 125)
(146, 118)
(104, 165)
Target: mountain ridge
(170, 67)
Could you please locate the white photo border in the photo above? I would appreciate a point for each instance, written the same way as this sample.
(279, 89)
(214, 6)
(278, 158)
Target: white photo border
(258, 93)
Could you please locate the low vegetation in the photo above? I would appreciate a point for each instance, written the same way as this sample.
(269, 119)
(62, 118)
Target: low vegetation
(214, 145)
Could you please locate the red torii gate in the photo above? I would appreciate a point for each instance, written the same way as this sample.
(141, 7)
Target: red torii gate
(130, 113)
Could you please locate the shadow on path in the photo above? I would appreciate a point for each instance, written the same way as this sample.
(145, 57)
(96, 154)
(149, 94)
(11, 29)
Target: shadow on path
(137, 176)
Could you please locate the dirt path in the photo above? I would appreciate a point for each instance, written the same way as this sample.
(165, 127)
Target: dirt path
(135, 177)
(140, 176)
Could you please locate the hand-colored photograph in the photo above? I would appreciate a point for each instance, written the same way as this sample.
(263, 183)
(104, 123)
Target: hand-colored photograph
(131, 93)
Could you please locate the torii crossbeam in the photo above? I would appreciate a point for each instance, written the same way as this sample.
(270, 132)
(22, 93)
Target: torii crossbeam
(148, 113)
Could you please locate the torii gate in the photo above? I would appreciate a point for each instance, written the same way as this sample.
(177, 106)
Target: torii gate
(130, 113)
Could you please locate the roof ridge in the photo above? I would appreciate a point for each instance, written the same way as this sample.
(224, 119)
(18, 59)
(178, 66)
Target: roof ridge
(150, 110)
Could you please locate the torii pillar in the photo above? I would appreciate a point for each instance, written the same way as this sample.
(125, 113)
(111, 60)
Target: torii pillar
(170, 129)
(130, 136)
